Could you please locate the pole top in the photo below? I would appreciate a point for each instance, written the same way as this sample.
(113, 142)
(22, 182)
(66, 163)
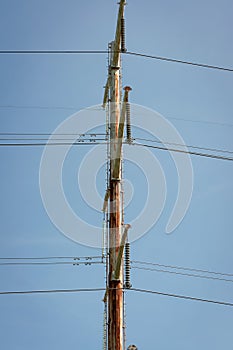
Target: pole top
(127, 88)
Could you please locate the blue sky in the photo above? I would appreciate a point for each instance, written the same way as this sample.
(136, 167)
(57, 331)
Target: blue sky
(202, 101)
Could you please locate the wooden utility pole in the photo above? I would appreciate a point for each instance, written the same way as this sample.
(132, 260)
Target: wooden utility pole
(116, 237)
(115, 297)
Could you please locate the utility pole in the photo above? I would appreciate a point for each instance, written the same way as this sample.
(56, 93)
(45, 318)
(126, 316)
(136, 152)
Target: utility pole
(116, 236)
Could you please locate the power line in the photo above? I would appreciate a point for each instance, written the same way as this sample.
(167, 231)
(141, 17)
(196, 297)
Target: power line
(86, 290)
(48, 134)
(167, 59)
(53, 257)
(50, 52)
(181, 296)
(201, 121)
(181, 268)
(37, 107)
(45, 291)
(52, 144)
(129, 53)
(100, 108)
(182, 145)
(215, 156)
(52, 263)
(94, 139)
(51, 260)
(182, 274)
(89, 261)
(55, 139)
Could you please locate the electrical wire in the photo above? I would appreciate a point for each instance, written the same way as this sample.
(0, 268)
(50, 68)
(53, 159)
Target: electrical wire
(167, 59)
(100, 108)
(215, 156)
(89, 261)
(181, 268)
(94, 140)
(52, 257)
(52, 263)
(82, 139)
(52, 144)
(45, 291)
(30, 261)
(201, 121)
(181, 296)
(86, 290)
(129, 53)
(49, 134)
(182, 274)
(54, 139)
(182, 145)
(48, 52)
(38, 107)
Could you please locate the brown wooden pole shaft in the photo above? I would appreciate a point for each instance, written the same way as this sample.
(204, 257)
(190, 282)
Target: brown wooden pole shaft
(115, 292)
(115, 295)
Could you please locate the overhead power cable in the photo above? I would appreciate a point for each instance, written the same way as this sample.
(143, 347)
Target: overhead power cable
(7, 136)
(129, 53)
(52, 257)
(52, 52)
(95, 257)
(37, 107)
(139, 54)
(51, 260)
(215, 156)
(182, 273)
(181, 268)
(94, 140)
(54, 139)
(51, 263)
(167, 59)
(181, 296)
(45, 291)
(182, 145)
(100, 108)
(210, 122)
(49, 134)
(86, 290)
(51, 144)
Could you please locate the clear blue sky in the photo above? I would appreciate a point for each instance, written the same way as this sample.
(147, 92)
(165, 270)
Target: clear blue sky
(199, 31)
